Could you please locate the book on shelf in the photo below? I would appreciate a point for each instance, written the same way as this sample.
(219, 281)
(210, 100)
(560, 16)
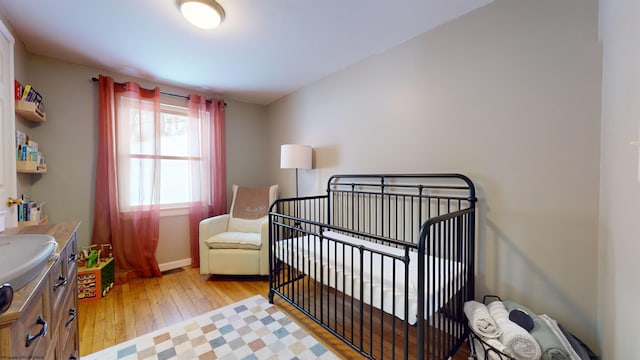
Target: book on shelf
(25, 153)
(30, 210)
(18, 90)
(27, 149)
(30, 94)
(21, 138)
(25, 92)
(38, 100)
(32, 144)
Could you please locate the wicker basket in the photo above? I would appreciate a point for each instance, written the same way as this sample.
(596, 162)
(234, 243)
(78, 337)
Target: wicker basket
(481, 350)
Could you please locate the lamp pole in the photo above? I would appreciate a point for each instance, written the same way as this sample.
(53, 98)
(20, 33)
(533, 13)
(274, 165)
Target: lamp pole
(297, 182)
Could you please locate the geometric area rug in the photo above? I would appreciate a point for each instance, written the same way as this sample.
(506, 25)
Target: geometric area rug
(249, 329)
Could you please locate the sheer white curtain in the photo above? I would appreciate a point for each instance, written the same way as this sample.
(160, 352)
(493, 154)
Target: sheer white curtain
(208, 176)
(138, 146)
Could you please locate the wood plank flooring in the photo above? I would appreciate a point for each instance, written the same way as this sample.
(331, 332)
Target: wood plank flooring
(144, 305)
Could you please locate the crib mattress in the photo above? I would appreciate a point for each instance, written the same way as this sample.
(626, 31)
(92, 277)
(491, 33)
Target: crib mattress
(336, 260)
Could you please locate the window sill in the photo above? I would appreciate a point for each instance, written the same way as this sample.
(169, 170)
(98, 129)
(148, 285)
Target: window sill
(169, 211)
(174, 211)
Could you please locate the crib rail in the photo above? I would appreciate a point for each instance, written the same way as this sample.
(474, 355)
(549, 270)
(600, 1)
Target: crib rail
(451, 236)
(351, 261)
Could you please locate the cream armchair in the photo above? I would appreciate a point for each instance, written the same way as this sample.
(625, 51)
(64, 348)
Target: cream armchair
(238, 243)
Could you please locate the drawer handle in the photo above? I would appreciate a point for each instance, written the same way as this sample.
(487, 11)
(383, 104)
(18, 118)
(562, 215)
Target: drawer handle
(42, 332)
(72, 258)
(62, 281)
(73, 314)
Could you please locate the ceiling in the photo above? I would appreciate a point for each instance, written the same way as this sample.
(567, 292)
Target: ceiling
(263, 50)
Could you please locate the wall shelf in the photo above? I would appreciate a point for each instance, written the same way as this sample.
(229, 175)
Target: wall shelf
(43, 220)
(31, 167)
(29, 111)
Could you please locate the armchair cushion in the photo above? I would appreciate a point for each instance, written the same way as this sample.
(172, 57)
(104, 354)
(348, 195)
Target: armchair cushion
(250, 207)
(235, 240)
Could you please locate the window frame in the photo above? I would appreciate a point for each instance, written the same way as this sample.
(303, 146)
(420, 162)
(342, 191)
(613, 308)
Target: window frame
(173, 208)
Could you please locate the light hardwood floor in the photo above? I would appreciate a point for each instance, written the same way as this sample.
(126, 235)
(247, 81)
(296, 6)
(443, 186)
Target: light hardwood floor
(144, 305)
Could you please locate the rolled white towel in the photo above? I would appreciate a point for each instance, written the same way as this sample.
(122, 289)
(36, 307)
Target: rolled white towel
(517, 339)
(553, 325)
(480, 321)
(496, 344)
(483, 353)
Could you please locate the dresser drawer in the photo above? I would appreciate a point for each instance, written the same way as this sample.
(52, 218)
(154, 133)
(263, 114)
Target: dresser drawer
(69, 263)
(62, 279)
(70, 347)
(58, 286)
(68, 317)
(31, 334)
(67, 310)
(69, 341)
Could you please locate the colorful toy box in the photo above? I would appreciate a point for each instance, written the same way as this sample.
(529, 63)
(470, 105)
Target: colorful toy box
(95, 282)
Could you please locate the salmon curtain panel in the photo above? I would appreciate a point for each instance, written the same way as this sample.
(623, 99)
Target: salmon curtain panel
(208, 176)
(127, 209)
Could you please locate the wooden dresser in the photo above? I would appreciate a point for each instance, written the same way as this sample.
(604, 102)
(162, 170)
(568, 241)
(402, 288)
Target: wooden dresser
(42, 321)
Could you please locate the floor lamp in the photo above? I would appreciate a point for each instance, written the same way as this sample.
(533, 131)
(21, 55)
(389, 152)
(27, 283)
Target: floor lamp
(295, 156)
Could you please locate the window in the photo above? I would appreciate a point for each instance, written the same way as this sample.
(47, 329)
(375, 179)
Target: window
(171, 142)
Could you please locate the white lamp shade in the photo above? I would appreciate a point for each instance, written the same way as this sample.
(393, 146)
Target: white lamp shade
(294, 156)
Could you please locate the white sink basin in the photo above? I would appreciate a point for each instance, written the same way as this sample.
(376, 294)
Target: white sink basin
(22, 257)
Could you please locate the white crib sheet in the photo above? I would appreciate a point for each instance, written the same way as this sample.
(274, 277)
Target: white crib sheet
(340, 269)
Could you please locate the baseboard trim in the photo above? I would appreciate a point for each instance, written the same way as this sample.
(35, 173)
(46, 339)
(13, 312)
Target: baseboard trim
(174, 264)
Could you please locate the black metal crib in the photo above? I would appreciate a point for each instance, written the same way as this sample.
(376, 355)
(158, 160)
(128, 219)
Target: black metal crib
(383, 262)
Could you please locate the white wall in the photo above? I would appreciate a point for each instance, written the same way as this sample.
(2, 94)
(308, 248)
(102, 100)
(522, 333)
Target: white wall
(619, 288)
(68, 141)
(508, 95)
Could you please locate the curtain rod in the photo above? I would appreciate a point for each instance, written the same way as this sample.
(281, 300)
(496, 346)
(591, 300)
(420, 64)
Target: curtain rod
(95, 79)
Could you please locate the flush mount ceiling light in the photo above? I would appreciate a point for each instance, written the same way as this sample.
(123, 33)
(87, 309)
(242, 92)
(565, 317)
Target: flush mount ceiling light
(205, 14)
